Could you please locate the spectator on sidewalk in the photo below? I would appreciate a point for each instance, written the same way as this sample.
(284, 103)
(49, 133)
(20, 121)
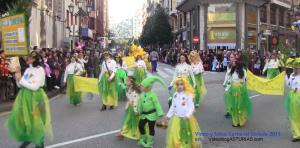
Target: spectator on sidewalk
(154, 57)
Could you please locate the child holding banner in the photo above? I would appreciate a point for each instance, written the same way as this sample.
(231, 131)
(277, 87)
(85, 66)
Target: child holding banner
(120, 76)
(74, 68)
(30, 119)
(292, 102)
(237, 99)
(271, 67)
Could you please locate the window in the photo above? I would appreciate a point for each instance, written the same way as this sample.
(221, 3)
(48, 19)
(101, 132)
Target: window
(281, 17)
(68, 18)
(273, 15)
(263, 15)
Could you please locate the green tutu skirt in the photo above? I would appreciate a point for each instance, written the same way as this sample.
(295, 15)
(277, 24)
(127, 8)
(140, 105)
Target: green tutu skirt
(139, 74)
(30, 118)
(74, 97)
(238, 103)
(200, 89)
(121, 78)
(108, 91)
(130, 124)
(272, 73)
(292, 105)
(182, 133)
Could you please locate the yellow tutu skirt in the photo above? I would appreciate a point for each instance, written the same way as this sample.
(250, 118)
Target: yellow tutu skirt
(182, 133)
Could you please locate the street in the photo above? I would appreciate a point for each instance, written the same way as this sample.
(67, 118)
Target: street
(85, 126)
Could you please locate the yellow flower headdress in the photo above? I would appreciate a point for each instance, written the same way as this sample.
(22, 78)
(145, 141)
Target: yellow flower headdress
(187, 86)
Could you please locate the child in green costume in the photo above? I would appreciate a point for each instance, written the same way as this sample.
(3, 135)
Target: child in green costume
(149, 109)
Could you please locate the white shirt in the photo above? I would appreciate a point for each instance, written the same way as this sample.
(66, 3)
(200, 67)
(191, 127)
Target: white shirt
(197, 68)
(73, 68)
(234, 78)
(82, 62)
(33, 78)
(132, 98)
(185, 70)
(110, 66)
(140, 64)
(293, 82)
(182, 105)
(271, 64)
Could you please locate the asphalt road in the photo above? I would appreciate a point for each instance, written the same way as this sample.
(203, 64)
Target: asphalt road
(85, 126)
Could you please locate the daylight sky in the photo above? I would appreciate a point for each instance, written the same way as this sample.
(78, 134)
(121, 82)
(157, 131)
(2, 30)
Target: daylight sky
(121, 9)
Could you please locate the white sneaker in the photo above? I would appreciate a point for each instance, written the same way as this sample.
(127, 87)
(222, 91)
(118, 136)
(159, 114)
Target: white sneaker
(56, 87)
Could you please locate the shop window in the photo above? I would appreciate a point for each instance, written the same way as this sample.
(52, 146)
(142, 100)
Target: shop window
(263, 15)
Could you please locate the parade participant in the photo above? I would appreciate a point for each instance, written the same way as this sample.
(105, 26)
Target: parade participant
(197, 67)
(146, 60)
(183, 125)
(292, 102)
(73, 69)
(140, 72)
(107, 82)
(237, 102)
(183, 69)
(120, 76)
(30, 119)
(271, 66)
(149, 109)
(154, 57)
(131, 119)
(226, 84)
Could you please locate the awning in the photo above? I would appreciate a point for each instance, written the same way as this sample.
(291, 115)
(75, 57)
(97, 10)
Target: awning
(187, 5)
(221, 44)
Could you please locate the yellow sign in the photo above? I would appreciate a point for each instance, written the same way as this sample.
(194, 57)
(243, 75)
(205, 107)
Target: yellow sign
(83, 84)
(274, 86)
(14, 40)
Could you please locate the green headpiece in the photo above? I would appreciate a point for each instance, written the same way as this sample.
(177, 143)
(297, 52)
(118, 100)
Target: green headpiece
(149, 81)
(294, 63)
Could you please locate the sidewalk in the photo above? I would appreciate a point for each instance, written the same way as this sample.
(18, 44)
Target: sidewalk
(6, 106)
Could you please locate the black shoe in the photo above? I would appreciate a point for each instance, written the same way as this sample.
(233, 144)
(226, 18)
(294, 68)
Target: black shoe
(25, 144)
(103, 108)
(227, 115)
(40, 146)
(111, 108)
(295, 140)
(236, 125)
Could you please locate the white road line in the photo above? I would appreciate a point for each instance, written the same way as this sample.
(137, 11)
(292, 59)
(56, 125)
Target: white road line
(82, 139)
(254, 96)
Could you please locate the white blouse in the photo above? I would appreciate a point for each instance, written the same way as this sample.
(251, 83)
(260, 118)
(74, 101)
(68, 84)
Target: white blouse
(182, 105)
(197, 68)
(271, 64)
(185, 70)
(293, 82)
(33, 78)
(110, 66)
(141, 64)
(132, 98)
(234, 78)
(73, 68)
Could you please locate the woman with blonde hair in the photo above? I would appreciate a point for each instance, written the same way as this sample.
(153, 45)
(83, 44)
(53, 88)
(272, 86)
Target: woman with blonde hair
(197, 68)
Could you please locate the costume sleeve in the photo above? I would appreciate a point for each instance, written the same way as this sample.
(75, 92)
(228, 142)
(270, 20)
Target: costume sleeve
(102, 71)
(266, 67)
(66, 73)
(226, 77)
(192, 76)
(157, 105)
(139, 106)
(191, 106)
(201, 67)
(113, 71)
(172, 109)
(144, 65)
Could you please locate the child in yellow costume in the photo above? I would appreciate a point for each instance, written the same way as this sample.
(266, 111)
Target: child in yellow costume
(183, 125)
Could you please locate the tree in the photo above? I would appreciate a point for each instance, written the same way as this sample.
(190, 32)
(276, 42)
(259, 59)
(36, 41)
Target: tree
(157, 30)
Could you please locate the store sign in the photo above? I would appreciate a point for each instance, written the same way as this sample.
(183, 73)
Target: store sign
(14, 40)
(196, 40)
(222, 35)
(228, 17)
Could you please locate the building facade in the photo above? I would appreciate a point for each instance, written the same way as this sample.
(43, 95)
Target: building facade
(232, 24)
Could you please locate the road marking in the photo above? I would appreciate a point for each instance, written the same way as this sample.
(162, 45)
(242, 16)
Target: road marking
(82, 139)
(56, 97)
(254, 96)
